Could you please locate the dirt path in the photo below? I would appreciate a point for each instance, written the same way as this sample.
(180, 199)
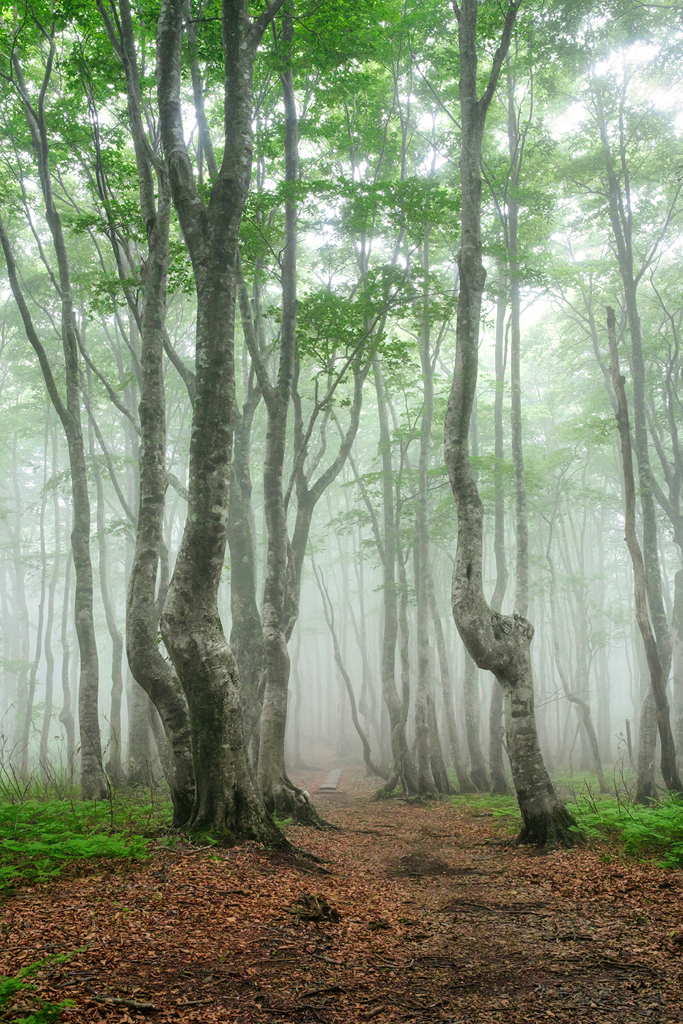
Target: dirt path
(424, 916)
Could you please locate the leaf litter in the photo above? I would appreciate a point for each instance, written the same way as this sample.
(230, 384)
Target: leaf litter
(423, 915)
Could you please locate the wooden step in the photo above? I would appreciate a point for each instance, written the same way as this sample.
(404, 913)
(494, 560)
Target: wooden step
(331, 782)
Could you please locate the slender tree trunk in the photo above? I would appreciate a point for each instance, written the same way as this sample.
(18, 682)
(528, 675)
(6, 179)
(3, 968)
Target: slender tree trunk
(93, 781)
(246, 636)
(279, 793)
(35, 664)
(403, 767)
(582, 706)
(495, 642)
(66, 716)
(645, 610)
(499, 782)
(465, 784)
(329, 618)
(620, 216)
(677, 637)
(23, 701)
(49, 624)
(151, 670)
(478, 772)
(424, 735)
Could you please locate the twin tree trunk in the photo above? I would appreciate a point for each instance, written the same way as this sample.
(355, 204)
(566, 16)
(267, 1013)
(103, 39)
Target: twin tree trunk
(500, 643)
(226, 797)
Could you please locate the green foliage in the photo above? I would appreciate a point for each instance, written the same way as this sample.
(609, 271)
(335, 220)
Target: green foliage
(46, 1012)
(648, 832)
(37, 839)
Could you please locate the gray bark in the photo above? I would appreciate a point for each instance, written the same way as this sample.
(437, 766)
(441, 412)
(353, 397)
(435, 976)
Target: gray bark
(279, 793)
(226, 797)
(403, 766)
(495, 642)
(646, 614)
(499, 782)
(93, 781)
(149, 667)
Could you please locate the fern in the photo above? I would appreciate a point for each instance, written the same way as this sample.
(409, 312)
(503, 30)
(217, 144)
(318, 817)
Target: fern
(46, 1013)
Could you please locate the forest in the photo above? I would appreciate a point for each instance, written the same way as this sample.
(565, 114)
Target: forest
(342, 395)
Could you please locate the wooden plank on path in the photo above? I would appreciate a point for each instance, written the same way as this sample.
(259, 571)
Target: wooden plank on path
(331, 782)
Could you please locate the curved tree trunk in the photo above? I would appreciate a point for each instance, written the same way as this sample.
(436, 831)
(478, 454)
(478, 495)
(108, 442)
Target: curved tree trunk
(496, 642)
(93, 781)
(149, 667)
(226, 797)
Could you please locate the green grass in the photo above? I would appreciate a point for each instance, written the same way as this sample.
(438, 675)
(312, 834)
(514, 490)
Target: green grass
(39, 838)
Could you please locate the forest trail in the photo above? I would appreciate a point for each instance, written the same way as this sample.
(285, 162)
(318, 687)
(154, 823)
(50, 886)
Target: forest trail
(425, 916)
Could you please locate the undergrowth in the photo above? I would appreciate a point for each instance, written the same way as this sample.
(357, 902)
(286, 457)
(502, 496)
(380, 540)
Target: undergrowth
(39, 838)
(45, 1012)
(650, 833)
(654, 832)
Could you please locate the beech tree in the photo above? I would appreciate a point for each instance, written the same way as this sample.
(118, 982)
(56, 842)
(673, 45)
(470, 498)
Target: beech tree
(496, 642)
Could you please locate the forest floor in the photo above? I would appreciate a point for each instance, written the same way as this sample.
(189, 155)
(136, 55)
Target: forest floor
(426, 915)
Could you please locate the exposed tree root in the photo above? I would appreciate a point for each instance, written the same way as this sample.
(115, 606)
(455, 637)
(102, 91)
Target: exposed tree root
(549, 830)
(288, 801)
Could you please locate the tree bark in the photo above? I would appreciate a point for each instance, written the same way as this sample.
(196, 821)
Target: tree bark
(226, 797)
(658, 666)
(496, 642)
(499, 782)
(403, 768)
(149, 667)
(93, 781)
(279, 793)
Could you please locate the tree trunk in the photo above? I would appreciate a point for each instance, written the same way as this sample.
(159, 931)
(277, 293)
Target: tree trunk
(403, 768)
(495, 642)
(677, 637)
(646, 610)
(49, 624)
(246, 636)
(151, 670)
(424, 735)
(226, 798)
(329, 619)
(499, 782)
(464, 782)
(93, 781)
(478, 772)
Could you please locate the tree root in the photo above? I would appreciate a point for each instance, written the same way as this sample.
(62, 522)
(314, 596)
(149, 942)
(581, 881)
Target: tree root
(288, 801)
(549, 830)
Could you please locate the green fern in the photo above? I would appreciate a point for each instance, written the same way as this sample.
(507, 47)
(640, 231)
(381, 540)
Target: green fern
(45, 1013)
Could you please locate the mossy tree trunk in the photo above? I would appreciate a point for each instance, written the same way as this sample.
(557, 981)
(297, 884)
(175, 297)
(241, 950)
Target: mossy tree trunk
(226, 800)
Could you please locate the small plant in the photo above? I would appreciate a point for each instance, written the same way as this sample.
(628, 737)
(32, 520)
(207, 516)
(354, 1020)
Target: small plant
(38, 838)
(45, 1013)
(654, 832)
